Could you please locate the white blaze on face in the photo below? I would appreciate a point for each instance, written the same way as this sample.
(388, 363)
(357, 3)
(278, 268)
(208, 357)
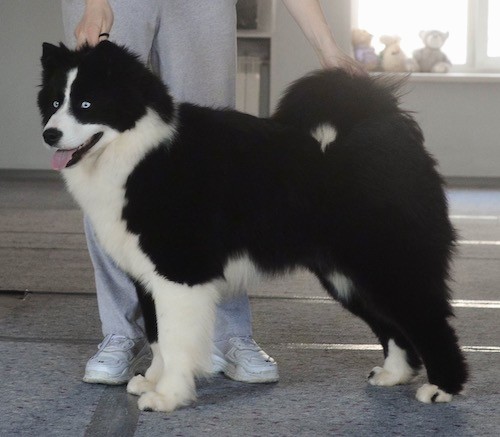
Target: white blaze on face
(74, 133)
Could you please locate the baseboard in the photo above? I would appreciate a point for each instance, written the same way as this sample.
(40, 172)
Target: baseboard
(472, 182)
(7, 174)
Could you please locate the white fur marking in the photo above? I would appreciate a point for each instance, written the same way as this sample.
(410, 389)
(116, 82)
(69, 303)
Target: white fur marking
(97, 183)
(186, 317)
(240, 273)
(325, 134)
(342, 284)
(430, 393)
(396, 369)
(141, 384)
(74, 132)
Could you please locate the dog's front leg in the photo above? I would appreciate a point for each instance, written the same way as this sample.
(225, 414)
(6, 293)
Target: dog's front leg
(139, 384)
(185, 317)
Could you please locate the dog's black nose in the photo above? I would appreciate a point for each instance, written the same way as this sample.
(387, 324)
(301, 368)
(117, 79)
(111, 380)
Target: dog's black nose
(51, 136)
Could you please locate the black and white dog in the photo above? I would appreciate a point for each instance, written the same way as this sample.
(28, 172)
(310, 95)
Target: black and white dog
(193, 201)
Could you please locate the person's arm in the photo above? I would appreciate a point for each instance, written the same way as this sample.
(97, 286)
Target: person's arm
(311, 19)
(97, 19)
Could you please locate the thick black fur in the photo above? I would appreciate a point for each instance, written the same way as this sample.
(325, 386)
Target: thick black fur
(108, 77)
(371, 206)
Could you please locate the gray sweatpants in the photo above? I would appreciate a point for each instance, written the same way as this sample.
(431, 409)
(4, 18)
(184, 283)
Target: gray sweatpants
(191, 44)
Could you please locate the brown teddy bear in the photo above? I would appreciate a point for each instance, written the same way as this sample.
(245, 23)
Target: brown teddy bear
(364, 53)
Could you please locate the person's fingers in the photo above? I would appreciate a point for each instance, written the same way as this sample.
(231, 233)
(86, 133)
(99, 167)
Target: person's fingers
(96, 21)
(87, 34)
(352, 66)
(339, 59)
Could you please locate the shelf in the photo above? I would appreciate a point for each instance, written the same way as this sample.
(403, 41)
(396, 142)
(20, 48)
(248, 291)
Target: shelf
(447, 77)
(254, 34)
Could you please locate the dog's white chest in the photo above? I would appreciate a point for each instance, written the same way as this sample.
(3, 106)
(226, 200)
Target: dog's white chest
(103, 203)
(98, 185)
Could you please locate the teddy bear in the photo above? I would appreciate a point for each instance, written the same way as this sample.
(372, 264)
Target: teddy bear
(364, 53)
(430, 59)
(392, 58)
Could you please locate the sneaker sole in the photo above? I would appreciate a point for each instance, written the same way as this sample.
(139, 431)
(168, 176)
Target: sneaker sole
(238, 374)
(104, 378)
(96, 377)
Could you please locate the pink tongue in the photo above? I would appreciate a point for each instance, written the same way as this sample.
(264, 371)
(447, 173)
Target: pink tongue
(61, 159)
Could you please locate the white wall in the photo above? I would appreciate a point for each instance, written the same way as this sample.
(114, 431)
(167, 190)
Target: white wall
(24, 25)
(460, 120)
(461, 123)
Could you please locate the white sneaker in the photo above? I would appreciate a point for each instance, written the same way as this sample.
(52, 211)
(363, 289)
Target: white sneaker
(245, 361)
(117, 360)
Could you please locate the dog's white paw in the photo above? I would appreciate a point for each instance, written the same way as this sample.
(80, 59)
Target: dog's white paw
(385, 378)
(381, 377)
(430, 393)
(154, 401)
(139, 385)
(396, 369)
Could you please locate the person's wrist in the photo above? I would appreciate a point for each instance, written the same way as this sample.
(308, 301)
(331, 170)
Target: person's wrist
(97, 4)
(328, 46)
(327, 51)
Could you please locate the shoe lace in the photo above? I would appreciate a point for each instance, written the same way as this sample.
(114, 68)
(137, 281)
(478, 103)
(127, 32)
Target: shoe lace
(245, 343)
(248, 343)
(113, 342)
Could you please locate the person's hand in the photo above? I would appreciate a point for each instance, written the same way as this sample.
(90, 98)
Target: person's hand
(310, 17)
(97, 19)
(336, 58)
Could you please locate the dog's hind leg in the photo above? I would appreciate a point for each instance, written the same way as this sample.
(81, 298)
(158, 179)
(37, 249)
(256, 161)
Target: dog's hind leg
(402, 363)
(428, 329)
(421, 311)
(185, 317)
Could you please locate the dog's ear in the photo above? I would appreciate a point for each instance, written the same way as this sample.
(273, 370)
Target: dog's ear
(53, 55)
(48, 51)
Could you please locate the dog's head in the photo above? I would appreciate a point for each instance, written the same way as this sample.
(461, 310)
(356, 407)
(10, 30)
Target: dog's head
(90, 96)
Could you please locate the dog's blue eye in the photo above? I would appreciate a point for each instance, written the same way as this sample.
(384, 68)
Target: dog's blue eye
(55, 104)
(85, 105)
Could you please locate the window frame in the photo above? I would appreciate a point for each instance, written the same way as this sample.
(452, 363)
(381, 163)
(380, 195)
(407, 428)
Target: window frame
(477, 59)
(482, 61)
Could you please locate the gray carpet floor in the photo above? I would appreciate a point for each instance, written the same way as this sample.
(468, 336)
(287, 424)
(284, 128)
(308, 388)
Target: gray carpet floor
(49, 327)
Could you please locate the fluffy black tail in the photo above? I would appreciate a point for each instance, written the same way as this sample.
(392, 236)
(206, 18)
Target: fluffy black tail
(336, 98)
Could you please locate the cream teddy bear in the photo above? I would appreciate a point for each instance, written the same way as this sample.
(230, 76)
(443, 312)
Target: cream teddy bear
(392, 57)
